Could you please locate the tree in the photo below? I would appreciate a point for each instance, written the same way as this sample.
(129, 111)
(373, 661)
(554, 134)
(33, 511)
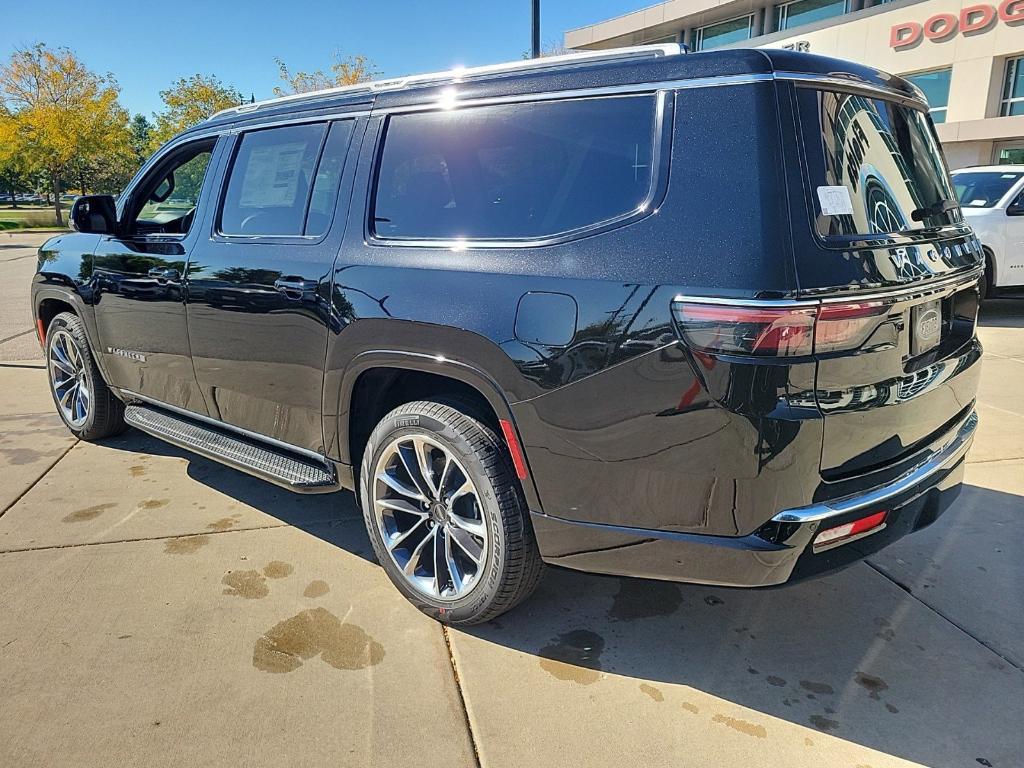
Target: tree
(141, 137)
(190, 101)
(55, 113)
(347, 70)
(13, 180)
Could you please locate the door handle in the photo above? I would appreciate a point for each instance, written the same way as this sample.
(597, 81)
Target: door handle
(295, 287)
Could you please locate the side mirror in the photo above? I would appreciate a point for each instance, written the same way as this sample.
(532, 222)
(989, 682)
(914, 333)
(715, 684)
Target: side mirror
(1015, 209)
(96, 214)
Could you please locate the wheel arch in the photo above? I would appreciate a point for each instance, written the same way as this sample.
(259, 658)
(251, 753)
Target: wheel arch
(993, 263)
(389, 366)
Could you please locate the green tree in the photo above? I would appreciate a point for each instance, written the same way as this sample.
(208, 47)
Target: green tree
(344, 70)
(55, 114)
(13, 180)
(190, 101)
(141, 138)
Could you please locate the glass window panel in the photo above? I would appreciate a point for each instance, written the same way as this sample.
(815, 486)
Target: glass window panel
(805, 11)
(732, 31)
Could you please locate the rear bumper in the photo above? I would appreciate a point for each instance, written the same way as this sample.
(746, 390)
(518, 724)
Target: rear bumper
(780, 550)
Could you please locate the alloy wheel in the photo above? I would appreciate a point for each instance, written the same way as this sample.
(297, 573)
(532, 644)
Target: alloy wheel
(68, 378)
(429, 515)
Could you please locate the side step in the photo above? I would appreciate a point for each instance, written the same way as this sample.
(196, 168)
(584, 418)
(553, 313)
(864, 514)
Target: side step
(276, 465)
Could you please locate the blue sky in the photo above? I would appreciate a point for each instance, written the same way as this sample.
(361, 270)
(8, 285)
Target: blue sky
(147, 45)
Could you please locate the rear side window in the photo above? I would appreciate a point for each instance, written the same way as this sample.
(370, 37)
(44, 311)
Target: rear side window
(514, 171)
(268, 191)
(875, 166)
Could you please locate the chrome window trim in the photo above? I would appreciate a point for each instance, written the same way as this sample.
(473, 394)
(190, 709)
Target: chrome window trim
(938, 460)
(859, 86)
(662, 135)
(949, 284)
(225, 426)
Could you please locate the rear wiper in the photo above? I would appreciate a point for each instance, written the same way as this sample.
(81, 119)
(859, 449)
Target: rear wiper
(935, 209)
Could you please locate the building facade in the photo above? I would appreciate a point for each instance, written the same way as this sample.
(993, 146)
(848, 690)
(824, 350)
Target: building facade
(967, 56)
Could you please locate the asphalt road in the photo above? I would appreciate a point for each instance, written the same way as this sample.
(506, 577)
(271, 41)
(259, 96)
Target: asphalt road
(159, 609)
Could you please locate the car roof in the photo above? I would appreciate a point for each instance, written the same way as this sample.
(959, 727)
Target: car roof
(580, 70)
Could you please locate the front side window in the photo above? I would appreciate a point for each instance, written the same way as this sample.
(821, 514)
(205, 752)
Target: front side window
(1013, 88)
(171, 195)
(723, 33)
(789, 15)
(514, 171)
(271, 178)
(983, 189)
(875, 166)
(935, 85)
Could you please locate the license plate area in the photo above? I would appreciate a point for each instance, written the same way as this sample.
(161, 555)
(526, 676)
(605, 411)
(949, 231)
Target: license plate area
(926, 325)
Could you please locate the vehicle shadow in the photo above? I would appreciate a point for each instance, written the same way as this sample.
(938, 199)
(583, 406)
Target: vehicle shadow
(1004, 312)
(332, 517)
(853, 654)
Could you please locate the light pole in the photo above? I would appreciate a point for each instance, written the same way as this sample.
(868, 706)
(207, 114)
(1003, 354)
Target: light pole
(535, 29)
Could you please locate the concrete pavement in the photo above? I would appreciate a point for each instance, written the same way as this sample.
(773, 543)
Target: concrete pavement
(160, 609)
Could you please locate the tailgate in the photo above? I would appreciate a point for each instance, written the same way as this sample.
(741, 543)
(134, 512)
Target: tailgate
(909, 383)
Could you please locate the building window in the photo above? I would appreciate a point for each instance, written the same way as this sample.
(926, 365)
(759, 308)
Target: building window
(1013, 88)
(800, 12)
(723, 33)
(935, 85)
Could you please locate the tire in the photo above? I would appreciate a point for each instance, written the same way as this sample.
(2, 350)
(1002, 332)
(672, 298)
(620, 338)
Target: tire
(89, 409)
(456, 590)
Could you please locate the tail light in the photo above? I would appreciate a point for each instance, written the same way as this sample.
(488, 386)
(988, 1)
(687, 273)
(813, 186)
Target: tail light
(777, 331)
(841, 534)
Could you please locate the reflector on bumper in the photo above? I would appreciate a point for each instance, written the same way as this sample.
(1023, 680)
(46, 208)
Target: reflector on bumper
(842, 534)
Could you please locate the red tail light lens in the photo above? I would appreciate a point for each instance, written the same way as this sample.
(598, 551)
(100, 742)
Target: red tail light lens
(780, 332)
(841, 533)
(846, 326)
(783, 332)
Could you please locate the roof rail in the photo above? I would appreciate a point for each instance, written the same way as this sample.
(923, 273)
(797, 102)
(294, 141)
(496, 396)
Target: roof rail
(460, 74)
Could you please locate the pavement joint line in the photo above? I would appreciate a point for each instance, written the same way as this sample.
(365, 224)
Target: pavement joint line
(941, 615)
(17, 336)
(35, 482)
(40, 367)
(462, 696)
(993, 461)
(141, 539)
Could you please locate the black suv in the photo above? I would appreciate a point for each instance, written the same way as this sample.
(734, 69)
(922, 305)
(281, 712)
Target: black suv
(704, 317)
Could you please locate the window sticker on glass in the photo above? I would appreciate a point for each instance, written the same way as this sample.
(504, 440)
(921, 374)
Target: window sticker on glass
(835, 201)
(272, 176)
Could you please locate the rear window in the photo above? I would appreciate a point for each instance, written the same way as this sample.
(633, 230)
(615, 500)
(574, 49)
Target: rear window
(983, 189)
(875, 166)
(269, 187)
(514, 171)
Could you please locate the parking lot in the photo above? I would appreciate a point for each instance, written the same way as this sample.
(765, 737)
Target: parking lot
(160, 609)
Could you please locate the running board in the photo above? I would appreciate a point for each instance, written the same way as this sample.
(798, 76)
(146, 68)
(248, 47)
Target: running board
(271, 463)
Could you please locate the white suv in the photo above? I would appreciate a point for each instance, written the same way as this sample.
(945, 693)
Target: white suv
(992, 199)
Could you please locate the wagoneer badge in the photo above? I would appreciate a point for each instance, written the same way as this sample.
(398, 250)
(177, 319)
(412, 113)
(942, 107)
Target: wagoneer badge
(137, 356)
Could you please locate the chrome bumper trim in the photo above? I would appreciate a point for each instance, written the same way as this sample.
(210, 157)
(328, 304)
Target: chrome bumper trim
(943, 458)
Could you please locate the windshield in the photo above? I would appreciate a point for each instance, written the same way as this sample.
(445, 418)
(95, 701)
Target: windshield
(875, 166)
(983, 189)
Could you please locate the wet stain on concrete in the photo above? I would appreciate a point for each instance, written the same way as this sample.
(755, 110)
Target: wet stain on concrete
(88, 513)
(637, 599)
(315, 632)
(713, 600)
(823, 723)
(246, 584)
(224, 524)
(318, 588)
(690, 707)
(778, 682)
(574, 656)
(154, 503)
(983, 761)
(808, 742)
(753, 671)
(892, 709)
(873, 685)
(813, 687)
(653, 692)
(277, 569)
(743, 726)
(185, 545)
(136, 470)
